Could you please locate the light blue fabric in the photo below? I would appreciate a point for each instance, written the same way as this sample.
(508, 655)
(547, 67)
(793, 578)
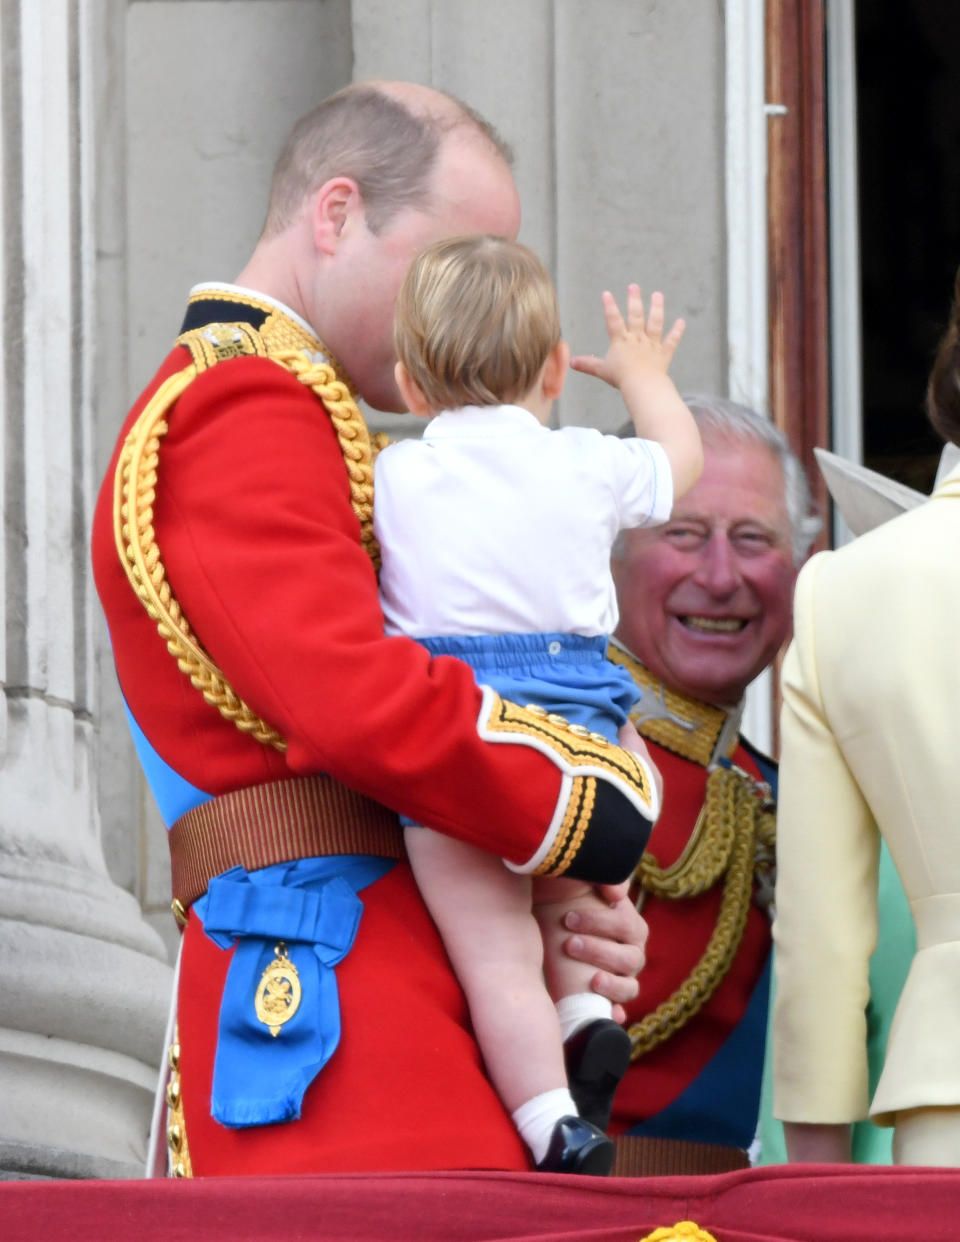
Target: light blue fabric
(565, 673)
(312, 906)
(173, 795)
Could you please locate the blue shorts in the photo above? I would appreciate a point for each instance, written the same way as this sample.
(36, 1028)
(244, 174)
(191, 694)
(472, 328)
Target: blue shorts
(565, 673)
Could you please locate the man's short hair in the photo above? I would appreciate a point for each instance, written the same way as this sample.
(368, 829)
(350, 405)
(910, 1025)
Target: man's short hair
(720, 418)
(476, 318)
(364, 133)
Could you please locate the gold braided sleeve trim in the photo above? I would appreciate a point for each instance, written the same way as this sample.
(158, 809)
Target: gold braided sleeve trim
(135, 489)
(734, 810)
(573, 828)
(574, 749)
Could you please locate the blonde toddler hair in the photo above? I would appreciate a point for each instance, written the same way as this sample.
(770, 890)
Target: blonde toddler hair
(476, 319)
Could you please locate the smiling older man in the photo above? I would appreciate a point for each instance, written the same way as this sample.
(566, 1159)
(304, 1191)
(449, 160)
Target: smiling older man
(705, 604)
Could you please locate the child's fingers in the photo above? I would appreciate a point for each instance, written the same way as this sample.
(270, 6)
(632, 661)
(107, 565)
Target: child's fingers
(589, 364)
(675, 335)
(635, 312)
(655, 317)
(611, 313)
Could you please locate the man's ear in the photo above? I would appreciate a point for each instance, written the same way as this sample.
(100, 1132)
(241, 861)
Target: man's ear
(411, 392)
(335, 205)
(555, 370)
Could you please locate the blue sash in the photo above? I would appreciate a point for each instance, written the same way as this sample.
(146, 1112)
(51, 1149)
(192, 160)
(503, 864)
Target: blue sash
(311, 907)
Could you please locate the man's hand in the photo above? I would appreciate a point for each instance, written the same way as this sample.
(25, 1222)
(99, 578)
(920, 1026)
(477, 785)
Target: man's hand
(598, 926)
(611, 935)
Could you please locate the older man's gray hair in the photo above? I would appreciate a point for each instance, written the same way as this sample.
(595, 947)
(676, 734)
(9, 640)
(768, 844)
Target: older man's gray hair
(719, 417)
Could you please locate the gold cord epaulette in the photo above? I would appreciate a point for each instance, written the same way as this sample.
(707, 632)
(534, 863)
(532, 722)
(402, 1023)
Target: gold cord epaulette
(358, 447)
(732, 843)
(733, 824)
(135, 484)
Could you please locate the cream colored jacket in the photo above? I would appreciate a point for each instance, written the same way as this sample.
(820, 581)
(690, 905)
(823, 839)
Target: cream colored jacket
(870, 742)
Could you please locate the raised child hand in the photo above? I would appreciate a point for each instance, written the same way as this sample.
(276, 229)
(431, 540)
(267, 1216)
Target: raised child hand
(637, 345)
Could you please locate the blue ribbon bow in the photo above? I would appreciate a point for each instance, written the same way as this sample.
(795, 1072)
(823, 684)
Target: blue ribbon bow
(312, 906)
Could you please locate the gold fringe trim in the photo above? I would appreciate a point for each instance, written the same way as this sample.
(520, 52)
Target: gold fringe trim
(683, 1231)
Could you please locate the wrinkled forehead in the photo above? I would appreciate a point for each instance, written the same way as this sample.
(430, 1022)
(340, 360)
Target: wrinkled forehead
(742, 481)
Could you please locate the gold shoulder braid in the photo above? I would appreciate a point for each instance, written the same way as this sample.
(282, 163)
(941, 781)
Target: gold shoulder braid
(732, 842)
(284, 342)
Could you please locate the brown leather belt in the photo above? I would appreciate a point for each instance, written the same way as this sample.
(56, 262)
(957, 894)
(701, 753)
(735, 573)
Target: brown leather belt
(306, 817)
(639, 1156)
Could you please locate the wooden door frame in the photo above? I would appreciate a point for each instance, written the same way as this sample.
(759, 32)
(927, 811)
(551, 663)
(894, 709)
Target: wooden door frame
(798, 244)
(798, 238)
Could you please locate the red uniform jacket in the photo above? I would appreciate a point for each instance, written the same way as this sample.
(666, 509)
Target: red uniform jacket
(262, 550)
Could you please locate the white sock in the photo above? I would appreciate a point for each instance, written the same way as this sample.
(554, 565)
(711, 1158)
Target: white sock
(536, 1118)
(577, 1011)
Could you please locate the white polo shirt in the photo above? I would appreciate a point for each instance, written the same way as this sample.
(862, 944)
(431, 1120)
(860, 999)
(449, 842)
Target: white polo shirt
(493, 523)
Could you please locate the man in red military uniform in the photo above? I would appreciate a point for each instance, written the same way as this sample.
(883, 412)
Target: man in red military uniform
(705, 604)
(235, 561)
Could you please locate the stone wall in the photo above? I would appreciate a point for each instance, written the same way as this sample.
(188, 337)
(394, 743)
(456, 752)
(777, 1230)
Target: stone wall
(136, 142)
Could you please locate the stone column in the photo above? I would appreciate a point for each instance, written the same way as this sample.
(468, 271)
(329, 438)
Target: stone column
(85, 981)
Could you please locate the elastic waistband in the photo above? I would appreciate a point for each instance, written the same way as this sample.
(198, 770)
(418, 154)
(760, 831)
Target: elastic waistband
(503, 651)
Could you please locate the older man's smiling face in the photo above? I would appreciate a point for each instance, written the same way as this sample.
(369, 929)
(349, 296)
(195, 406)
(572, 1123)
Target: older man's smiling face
(706, 599)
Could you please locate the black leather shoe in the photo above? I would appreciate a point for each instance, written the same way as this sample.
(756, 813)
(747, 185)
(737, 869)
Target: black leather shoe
(597, 1058)
(578, 1147)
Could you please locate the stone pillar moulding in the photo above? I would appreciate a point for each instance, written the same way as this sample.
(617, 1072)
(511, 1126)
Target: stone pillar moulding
(86, 983)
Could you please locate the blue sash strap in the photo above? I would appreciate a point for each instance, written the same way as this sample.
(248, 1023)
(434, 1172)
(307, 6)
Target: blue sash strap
(312, 906)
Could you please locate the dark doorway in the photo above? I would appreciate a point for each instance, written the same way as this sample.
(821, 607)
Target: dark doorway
(908, 124)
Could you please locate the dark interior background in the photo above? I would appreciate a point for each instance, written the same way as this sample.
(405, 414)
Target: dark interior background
(908, 102)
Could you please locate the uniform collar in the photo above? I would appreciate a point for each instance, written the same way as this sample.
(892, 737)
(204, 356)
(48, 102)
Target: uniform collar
(281, 328)
(482, 421)
(689, 727)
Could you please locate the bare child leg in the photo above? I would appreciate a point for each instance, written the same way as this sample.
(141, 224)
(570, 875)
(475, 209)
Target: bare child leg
(482, 912)
(597, 1050)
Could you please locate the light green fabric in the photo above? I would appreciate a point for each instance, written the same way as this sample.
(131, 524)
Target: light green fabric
(896, 945)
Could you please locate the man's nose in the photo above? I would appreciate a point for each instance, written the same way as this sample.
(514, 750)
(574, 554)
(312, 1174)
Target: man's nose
(718, 570)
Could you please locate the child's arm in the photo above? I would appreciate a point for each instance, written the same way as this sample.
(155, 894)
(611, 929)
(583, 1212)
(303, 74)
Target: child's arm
(636, 363)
